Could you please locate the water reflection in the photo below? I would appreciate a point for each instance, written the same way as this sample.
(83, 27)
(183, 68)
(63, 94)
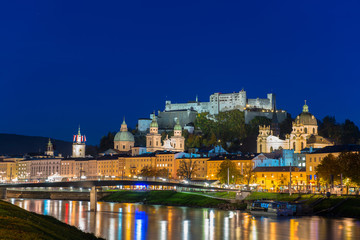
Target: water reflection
(136, 221)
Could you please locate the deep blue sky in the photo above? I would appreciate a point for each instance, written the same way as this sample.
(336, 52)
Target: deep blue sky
(93, 62)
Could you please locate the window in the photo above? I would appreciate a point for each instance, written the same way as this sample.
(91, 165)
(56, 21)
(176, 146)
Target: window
(310, 168)
(314, 159)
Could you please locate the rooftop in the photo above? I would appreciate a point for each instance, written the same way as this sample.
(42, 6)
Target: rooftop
(338, 148)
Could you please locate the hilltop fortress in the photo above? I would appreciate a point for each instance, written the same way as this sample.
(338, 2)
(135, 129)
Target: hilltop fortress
(225, 102)
(218, 102)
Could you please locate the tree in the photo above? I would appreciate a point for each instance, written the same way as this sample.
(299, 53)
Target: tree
(228, 171)
(249, 176)
(350, 163)
(187, 169)
(163, 172)
(329, 169)
(107, 142)
(350, 133)
(286, 126)
(147, 171)
(329, 128)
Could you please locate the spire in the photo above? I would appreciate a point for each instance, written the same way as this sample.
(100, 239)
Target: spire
(123, 127)
(79, 131)
(305, 107)
(49, 143)
(196, 98)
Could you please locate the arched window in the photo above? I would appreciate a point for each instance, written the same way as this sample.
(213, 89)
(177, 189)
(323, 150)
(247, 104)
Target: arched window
(302, 145)
(305, 130)
(294, 145)
(271, 149)
(260, 148)
(313, 130)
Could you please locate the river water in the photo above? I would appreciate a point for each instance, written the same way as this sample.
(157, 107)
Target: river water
(137, 221)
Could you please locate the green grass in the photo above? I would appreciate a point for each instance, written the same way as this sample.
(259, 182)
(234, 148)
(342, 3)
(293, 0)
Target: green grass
(228, 195)
(17, 223)
(170, 198)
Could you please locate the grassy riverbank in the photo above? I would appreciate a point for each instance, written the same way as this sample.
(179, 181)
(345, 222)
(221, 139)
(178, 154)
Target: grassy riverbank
(17, 223)
(170, 198)
(337, 206)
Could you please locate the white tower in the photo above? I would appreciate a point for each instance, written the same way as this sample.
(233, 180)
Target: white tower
(79, 145)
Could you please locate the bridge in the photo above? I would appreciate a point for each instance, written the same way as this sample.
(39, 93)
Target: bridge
(95, 184)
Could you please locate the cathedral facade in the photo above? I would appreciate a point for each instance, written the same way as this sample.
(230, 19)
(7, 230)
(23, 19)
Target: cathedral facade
(304, 134)
(153, 139)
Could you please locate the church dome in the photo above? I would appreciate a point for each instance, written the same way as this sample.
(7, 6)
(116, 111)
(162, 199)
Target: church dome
(177, 126)
(124, 137)
(306, 118)
(154, 123)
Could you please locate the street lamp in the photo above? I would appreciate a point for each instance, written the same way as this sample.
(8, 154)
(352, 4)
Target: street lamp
(265, 183)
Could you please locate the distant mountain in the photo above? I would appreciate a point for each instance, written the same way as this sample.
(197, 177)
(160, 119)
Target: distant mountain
(11, 144)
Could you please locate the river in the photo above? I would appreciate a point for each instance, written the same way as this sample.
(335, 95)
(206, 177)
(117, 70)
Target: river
(137, 221)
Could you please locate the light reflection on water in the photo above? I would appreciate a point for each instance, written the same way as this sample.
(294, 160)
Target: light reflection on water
(136, 221)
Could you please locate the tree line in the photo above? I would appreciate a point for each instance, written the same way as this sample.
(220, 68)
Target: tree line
(343, 169)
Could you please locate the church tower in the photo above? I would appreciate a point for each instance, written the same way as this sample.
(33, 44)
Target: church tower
(178, 141)
(49, 149)
(153, 138)
(78, 149)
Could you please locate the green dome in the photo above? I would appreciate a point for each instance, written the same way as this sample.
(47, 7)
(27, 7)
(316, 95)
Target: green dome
(154, 123)
(177, 126)
(124, 137)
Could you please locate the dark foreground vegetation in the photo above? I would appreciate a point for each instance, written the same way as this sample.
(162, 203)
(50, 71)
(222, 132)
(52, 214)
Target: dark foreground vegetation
(17, 223)
(170, 198)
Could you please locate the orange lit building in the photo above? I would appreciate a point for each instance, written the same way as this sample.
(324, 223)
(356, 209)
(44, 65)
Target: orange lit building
(278, 178)
(241, 162)
(201, 167)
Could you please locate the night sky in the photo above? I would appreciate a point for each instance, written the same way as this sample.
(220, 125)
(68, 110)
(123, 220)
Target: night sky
(65, 63)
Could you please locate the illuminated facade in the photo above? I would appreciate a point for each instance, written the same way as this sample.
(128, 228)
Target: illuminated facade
(304, 134)
(278, 178)
(201, 167)
(174, 144)
(241, 162)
